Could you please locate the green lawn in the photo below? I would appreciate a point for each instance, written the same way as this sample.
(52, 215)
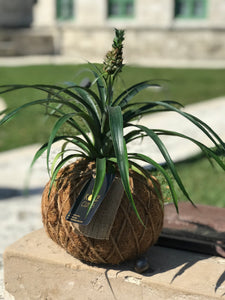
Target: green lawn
(204, 184)
(183, 85)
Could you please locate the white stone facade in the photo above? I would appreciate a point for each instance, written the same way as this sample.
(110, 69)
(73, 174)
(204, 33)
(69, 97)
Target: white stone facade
(153, 31)
(148, 13)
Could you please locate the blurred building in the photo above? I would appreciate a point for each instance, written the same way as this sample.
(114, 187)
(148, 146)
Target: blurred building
(163, 29)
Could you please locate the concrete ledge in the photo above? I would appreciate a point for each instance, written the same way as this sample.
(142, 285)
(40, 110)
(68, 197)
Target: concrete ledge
(36, 268)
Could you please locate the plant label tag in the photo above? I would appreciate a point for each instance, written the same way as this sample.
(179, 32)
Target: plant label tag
(78, 212)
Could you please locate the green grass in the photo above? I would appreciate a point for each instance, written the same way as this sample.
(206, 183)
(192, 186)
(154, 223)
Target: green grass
(183, 85)
(204, 183)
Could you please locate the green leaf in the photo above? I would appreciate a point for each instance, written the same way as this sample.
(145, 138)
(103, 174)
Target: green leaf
(54, 131)
(60, 91)
(146, 174)
(80, 143)
(89, 97)
(116, 128)
(61, 154)
(38, 102)
(128, 94)
(87, 120)
(74, 140)
(144, 158)
(59, 166)
(208, 128)
(99, 79)
(42, 149)
(100, 175)
(148, 108)
(200, 124)
(206, 150)
(166, 156)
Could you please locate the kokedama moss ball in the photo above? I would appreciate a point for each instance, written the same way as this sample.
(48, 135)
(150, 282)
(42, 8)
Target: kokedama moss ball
(128, 237)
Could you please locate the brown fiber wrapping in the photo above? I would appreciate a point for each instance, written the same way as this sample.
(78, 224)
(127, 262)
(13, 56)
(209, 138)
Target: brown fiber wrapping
(128, 238)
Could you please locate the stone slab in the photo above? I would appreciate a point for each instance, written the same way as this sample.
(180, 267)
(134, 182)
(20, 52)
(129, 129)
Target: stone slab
(37, 268)
(199, 228)
(19, 215)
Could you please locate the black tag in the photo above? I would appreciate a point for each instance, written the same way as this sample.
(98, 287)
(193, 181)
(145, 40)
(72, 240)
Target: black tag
(78, 212)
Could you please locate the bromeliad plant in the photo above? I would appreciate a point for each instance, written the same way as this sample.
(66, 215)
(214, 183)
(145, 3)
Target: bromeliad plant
(102, 147)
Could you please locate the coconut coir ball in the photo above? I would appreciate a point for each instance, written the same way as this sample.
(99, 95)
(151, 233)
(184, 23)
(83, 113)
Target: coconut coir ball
(128, 238)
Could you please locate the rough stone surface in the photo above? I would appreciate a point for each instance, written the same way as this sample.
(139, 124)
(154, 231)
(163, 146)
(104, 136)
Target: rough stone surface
(37, 268)
(156, 43)
(18, 216)
(190, 217)
(26, 42)
(200, 228)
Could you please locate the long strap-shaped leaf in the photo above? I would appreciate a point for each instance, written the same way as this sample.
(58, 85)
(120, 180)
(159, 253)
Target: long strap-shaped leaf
(44, 101)
(61, 155)
(70, 139)
(43, 148)
(39, 102)
(206, 150)
(85, 94)
(100, 175)
(116, 128)
(166, 156)
(150, 103)
(99, 79)
(146, 174)
(92, 126)
(88, 96)
(55, 129)
(197, 122)
(50, 90)
(128, 94)
(142, 157)
(147, 108)
(59, 166)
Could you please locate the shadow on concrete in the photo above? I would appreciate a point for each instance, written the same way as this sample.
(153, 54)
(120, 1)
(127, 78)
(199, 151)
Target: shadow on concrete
(220, 281)
(161, 260)
(160, 263)
(7, 193)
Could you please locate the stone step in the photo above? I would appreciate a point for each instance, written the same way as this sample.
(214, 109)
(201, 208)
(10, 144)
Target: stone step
(37, 268)
(7, 48)
(20, 42)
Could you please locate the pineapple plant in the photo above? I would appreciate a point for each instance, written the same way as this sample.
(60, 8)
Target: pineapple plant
(104, 206)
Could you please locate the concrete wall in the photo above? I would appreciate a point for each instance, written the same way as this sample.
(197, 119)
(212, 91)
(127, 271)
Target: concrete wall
(151, 13)
(192, 44)
(148, 13)
(44, 13)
